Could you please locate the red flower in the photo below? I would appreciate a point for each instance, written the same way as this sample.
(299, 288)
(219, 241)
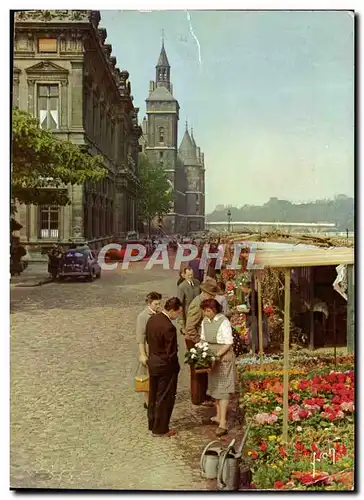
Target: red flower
(299, 446)
(263, 447)
(279, 485)
(314, 448)
(303, 413)
(254, 455)
(282, 451)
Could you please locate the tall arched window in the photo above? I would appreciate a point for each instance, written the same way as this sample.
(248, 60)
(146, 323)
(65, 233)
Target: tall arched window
(161, 134)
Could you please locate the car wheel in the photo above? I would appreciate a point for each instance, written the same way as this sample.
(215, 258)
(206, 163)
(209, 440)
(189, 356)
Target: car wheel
(92, 275)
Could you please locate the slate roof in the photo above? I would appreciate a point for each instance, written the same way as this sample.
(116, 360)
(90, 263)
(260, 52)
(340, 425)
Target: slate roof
(161, 94)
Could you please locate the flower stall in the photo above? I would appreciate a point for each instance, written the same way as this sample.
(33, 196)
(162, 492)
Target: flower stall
(325, 401)
(301, 405)
(320, 452)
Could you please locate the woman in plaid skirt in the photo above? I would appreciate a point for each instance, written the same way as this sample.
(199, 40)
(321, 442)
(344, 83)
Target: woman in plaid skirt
(216, 330)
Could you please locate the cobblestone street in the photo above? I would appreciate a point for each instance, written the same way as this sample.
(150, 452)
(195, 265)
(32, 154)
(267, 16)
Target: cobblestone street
(75, 420)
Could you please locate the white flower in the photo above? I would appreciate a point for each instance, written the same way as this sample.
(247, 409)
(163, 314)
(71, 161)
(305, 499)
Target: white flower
(212, 358)
(193, 350)
(299, 428)
(204, 354)
(193, 356)
(205, 348)
(278, 408)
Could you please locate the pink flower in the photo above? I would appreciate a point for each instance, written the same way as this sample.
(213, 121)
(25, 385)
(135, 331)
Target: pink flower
(347, 406)
(266, 418)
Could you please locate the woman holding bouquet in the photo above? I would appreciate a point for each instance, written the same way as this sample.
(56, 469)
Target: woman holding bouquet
(216, 331)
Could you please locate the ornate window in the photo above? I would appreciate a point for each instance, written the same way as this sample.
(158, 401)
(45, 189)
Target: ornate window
(161, 134)
(48, 221)
(48, 106)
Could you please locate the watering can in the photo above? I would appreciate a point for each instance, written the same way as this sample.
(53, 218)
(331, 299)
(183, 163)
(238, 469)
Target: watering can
(228, 474)
(209, 461)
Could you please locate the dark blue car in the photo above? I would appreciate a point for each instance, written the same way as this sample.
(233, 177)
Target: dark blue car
(80, 263)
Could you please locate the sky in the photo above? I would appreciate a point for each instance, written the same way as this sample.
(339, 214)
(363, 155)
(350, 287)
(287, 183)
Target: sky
(270, 95)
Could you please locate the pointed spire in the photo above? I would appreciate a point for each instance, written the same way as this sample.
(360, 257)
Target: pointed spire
(192, 138)
(187, 150)
(163, 70)
(163, 59)
(186, 126)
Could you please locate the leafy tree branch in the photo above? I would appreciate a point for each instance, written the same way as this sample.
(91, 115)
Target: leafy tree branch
(42, 162)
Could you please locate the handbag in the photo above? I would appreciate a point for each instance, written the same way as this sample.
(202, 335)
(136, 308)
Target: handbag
(141, 379)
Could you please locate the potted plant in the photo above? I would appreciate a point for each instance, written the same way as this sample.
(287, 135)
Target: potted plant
(200, 357)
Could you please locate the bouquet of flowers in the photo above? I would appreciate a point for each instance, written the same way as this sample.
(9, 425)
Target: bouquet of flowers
(200, 357)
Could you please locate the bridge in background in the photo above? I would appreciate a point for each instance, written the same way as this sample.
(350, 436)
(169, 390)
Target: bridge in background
(287, 227)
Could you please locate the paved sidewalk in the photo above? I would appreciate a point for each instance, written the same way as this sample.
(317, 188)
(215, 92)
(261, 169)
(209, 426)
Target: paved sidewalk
(36, 274)
(76, 421)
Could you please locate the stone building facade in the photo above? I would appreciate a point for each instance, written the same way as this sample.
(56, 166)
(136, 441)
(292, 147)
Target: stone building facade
(185, 165)
(65, 75)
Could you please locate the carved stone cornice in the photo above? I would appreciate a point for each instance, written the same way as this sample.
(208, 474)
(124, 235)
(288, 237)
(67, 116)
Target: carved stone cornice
(113, 62)
(107, 48)
(102, 34)
(124, 84)
(58, 16)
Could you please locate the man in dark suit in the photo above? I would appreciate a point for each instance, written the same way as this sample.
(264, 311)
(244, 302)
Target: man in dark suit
(163, 367)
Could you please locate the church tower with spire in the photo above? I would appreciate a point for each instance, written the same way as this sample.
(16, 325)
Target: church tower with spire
(194, 168)
(162, 131)
(184, 166)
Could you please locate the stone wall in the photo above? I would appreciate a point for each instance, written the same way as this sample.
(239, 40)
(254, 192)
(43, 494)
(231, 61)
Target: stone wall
(64, 52)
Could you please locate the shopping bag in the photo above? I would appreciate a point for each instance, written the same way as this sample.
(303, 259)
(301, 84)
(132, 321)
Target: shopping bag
(141, 379)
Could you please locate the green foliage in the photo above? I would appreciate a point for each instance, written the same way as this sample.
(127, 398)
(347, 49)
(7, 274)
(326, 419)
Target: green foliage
(340, 211)
(155, 196)
(41, 161)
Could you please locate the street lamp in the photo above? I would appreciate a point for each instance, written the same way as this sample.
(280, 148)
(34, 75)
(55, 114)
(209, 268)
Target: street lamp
(229, 219)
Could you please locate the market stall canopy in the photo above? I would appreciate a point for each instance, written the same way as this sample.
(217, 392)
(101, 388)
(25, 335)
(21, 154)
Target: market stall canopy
(295, 239)
(272, 254)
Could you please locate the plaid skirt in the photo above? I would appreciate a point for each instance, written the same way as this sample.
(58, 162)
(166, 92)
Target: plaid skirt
(222, 377)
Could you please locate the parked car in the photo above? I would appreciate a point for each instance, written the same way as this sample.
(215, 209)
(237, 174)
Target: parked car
(118, 255)
(80, 263)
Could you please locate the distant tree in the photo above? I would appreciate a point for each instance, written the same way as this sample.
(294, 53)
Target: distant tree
(39, 160)
(340, 211)
(156, 195)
